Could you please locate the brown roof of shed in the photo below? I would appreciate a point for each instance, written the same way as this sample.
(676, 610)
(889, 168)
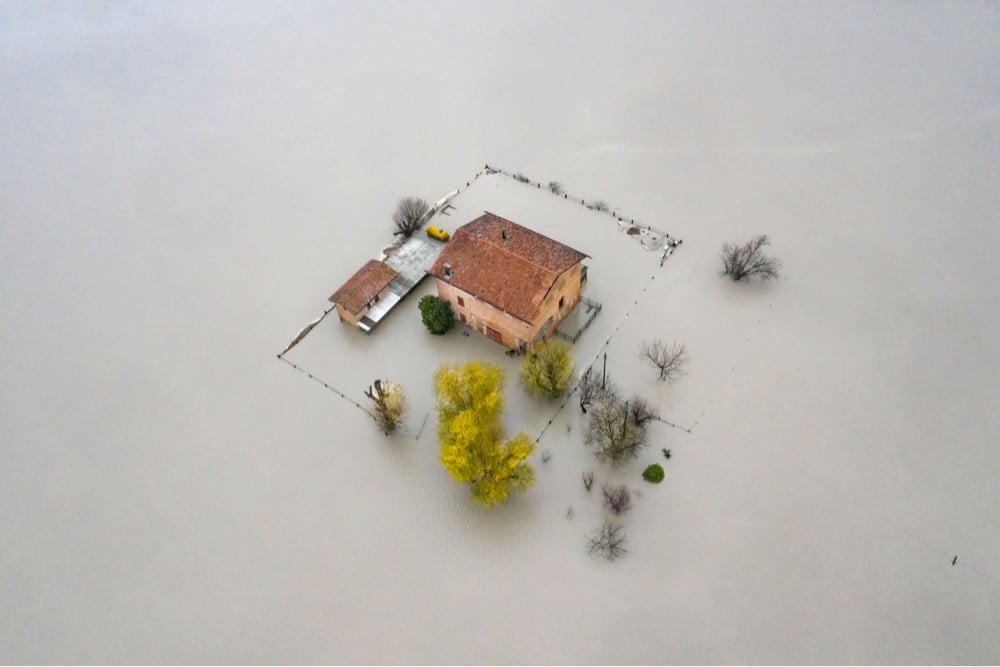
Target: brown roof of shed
(504, 264)
(363, 286)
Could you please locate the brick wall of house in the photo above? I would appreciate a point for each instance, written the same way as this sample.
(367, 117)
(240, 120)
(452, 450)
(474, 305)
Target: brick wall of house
(567, 289)
(480, 315)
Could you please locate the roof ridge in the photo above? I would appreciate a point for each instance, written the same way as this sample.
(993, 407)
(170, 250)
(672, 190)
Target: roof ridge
(519, 256)
(508, 250)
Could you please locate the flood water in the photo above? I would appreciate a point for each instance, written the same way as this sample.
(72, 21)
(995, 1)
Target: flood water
(183, 185)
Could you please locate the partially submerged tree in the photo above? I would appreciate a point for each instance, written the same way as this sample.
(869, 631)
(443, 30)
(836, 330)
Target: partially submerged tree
(409, 215)
(608, 541)
(588, 479)
(556, 188)
(617, 498)
(748, 260)
(669, 360)
(592, 387)
(436, 314)
(640, 410)
(548, 369)
(612, 433)
(389, 403)
(473, 450)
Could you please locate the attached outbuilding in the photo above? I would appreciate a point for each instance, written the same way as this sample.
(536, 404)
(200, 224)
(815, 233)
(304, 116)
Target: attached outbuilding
(362, 291)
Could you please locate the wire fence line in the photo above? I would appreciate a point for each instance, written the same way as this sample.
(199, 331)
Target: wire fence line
(928, 544)
(327, 386)
(602, 348)
(594, 205)
(555, 190)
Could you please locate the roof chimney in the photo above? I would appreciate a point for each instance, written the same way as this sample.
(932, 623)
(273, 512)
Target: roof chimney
(447, 271)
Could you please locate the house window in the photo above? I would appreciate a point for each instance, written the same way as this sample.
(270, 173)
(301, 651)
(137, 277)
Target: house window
(461, 301)
(562, 302)
(461, 316)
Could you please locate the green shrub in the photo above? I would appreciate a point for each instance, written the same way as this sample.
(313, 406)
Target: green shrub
(436, 314)
(653, 473)
(548, 369)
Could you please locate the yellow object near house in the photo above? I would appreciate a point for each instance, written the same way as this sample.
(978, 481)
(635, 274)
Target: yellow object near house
(437, 233)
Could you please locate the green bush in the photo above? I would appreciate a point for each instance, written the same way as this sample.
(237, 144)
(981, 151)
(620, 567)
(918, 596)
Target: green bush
(436, 314)
(548, 369)
(653, 473)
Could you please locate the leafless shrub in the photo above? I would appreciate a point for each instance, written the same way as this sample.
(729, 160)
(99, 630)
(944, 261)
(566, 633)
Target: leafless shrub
(617, 498)
(614, 437)
(592, 388)
(521, 177)
(748, 260)
(640, 410)
(598, 205)
(546, 456)
(608, 541)
(669, 360)
(556, 188)
(588, 388)
(588, 480)
(409, 215)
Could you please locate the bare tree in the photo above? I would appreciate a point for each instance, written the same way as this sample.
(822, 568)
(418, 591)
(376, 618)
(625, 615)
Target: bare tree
(588, 480)
(640, 410)
(748, 260)
(592, 388)
(589, 387)
(521, 177)
(614, 437)
(617, 498)
(607, 541)
(409, 215)
(389, 404)
(598, 205)
(669, 360)
(556, 188)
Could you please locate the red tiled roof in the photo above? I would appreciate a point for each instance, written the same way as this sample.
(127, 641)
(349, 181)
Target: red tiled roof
(362, 287)
(504, 264)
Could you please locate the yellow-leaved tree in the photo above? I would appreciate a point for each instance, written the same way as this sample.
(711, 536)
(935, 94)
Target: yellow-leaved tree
(548, 369)
(473, 450)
